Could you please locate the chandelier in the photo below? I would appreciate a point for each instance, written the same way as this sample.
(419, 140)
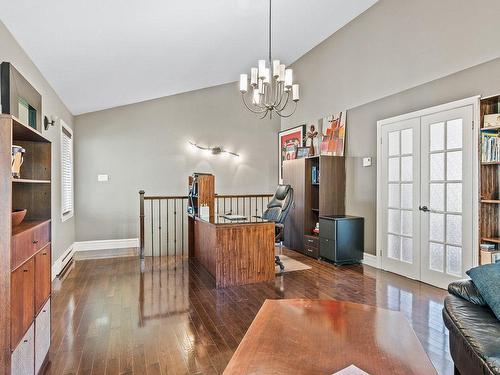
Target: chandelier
(271, 90)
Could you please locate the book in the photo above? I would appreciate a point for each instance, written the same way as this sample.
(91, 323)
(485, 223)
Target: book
(487, 246)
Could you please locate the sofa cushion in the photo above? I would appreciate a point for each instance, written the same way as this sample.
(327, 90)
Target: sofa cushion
(487, 280)
(479, 328)
(466, 290)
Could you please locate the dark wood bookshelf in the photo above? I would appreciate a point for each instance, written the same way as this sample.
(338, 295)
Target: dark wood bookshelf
(313, 199)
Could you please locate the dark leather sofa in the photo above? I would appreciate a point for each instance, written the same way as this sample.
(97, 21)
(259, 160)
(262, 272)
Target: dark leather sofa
(474, 331)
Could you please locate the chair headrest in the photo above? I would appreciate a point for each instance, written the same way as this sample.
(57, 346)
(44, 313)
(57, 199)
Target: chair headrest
(282, 192)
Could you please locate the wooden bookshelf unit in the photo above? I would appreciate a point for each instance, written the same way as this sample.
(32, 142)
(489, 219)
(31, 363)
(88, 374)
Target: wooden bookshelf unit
(489, 195)
(25, 250)
(313, 197)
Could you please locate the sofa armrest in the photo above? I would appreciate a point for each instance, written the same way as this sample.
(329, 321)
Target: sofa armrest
(466, 290)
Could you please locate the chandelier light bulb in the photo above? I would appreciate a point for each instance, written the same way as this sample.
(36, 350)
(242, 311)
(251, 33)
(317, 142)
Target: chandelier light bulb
(281, 76)
(288, 78)
(254, 77)
(295, 92)
(276, 68)
(243, 83)
(266, 76)
(262, 68)
(256, 96)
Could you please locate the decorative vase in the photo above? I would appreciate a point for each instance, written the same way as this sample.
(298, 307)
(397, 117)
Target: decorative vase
(17, 160)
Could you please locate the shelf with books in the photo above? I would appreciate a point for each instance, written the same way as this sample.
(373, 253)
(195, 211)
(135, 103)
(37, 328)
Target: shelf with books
(489, 177)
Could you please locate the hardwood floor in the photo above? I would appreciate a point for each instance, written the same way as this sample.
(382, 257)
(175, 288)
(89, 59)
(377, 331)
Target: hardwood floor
(107, 319)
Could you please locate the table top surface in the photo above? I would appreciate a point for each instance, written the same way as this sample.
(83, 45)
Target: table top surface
(221, 220)
(323, 337)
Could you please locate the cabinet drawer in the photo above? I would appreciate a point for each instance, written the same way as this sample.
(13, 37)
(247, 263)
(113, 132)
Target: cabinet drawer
(311, 242)
(311, 251)
(327, 228)
(21, 248)
(42, 336)
(327, 248)
(22, 357)
(41, 236)
(21, 301)
(42, 277)
(28, 242)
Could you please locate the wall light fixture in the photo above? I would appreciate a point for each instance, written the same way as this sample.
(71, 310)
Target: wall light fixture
(216, 150)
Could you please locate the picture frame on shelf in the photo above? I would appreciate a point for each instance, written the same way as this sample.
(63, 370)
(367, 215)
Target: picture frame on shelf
(289, 141)
(334, 127)
(303, 152)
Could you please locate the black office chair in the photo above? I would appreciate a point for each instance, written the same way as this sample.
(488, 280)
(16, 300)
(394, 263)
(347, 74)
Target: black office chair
(277, 211)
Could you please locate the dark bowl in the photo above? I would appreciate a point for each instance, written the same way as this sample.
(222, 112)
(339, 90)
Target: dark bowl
(18, 217)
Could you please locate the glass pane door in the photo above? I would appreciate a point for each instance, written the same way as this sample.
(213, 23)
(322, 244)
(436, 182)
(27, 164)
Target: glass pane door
(400, 168)
(446, 180)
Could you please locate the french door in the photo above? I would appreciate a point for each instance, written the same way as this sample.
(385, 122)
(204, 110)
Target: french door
(425, 198)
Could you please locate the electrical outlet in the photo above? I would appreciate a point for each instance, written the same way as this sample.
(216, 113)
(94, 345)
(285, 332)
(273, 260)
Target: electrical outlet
(102, 178)
(367, 162)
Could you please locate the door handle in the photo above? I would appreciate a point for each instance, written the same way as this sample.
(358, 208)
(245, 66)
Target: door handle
(423, 208)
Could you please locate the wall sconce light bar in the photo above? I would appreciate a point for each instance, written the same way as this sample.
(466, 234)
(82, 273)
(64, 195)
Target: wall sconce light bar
(214, 150)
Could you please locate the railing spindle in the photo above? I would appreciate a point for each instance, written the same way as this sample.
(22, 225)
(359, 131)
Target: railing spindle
(182, 208)
(168, 231)
(175, 227)
(159, 228)
(152, 231)
(141, 223)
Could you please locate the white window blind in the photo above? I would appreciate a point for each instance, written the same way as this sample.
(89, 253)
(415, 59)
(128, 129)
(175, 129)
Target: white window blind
(66, 172)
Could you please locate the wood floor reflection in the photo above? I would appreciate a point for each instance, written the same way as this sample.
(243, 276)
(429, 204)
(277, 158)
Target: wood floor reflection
(108, 319)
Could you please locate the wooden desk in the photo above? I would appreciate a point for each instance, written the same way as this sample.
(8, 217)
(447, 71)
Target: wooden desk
(322, 337)
(234, 253)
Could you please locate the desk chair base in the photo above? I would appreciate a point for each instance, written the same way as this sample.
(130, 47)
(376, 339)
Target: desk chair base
(278, 262)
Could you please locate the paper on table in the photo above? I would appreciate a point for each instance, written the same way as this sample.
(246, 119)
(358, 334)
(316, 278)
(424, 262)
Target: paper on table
(234, 217)
(351, 370)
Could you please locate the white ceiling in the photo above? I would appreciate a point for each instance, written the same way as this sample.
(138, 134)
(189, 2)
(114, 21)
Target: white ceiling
(100, 54)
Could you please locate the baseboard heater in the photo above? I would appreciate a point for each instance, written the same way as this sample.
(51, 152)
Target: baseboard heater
(67, 265)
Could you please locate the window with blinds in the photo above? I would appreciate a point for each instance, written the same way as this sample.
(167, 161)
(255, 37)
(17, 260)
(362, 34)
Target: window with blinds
(66, 172)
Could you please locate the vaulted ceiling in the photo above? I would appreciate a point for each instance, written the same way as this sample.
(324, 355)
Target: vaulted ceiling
(99, 54)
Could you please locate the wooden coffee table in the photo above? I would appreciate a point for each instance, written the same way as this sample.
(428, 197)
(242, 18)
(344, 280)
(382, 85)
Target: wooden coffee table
(322, 337)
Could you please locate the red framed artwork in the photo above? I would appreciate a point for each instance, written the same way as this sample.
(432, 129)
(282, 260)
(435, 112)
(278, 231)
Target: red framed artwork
(288, 142)
(333, 134)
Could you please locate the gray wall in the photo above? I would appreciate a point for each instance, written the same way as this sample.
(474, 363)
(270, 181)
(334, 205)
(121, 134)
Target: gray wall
(63, 234)
(144, 146)
(394, 46)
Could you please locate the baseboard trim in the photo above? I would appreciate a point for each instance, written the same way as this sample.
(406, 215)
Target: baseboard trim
(371, 260)
(61, 262)
(106, 253)
(106, 244)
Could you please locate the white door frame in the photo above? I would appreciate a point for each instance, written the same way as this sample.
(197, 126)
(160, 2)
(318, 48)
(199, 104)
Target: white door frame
(474, 101)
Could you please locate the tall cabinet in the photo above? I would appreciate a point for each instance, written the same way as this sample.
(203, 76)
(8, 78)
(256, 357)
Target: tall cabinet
(25, 251)
(319, 189)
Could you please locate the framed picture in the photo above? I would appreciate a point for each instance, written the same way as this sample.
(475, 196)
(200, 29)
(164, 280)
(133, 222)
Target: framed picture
(313, 136)
(288, 142)
(303, 152)
(334, 134)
